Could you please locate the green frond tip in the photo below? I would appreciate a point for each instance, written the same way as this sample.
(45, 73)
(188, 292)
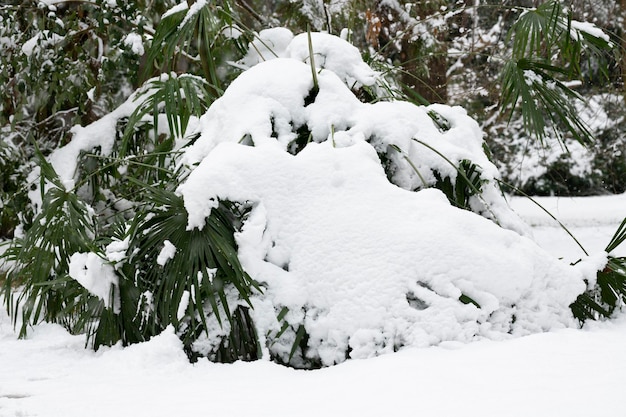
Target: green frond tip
(545, 103)
(468, 300)
(608, 294)
(618, 238)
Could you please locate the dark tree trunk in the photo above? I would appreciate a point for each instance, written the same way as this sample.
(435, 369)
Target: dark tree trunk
(423, 69)
(623, 51)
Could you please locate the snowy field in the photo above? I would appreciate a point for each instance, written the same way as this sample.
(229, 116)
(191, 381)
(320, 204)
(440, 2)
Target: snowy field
(567, 372)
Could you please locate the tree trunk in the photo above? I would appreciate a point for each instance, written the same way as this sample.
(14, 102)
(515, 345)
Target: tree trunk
(423, 69)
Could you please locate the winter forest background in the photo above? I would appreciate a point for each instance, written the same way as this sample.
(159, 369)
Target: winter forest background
(305, 181)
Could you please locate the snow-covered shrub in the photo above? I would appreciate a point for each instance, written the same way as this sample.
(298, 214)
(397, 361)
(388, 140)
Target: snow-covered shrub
(418, 147)
(293, 221)
(352, 258)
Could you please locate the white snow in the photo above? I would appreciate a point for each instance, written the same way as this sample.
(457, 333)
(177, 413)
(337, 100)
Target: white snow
(44, 39)
(590, 29)
(183, 5)
(135, 42)
(329, 52)
(268, 44)
(182, 306)
(365, 266)
(167, 253)
(116, 250)
(100, 133)
(534, 161)
(579, 373)
(268, 103)
(97, 276)
(315, 236)
(319, 219)
(592, 220)
(193, 10)
(270, 99)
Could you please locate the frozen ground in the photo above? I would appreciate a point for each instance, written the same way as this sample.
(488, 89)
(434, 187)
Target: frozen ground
(567, 372)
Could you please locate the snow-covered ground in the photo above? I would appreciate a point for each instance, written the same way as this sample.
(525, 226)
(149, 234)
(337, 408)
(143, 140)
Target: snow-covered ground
(592, 221)
(566, 372)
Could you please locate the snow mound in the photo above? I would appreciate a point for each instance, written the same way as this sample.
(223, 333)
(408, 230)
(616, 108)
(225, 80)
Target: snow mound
(275, 104)
(329, 52)
(367, 267)
(353, 258)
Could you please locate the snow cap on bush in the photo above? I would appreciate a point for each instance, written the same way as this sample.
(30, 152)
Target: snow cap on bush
(352, 264)
(329, 52)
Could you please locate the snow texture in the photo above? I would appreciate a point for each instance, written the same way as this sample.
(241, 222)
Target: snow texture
(329, 52)
(183, 5)
(167, 253)
(314, 239)
(590, 29)
(43, 39)
(267, 104)
(135, 43)
(100, 133)
(97, 276)
(361, 261)
(193, 10)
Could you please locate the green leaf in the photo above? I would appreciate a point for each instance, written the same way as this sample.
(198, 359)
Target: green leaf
(300, 337)
(468, 300)
(618, 238)
(197, 251)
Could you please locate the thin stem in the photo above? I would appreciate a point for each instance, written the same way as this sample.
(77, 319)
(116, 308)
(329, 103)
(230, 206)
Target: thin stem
(467, 180)
(546, 211)
(311, 59)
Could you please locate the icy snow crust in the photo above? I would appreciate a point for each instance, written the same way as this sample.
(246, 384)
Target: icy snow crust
(366, 266)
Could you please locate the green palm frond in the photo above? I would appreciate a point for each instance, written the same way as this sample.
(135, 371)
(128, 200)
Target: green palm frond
(40, 259)
(203, 272)
(197, 37)
(618, 238)
(609, 293)
(178, 97)
(547, 50)
(545, 102)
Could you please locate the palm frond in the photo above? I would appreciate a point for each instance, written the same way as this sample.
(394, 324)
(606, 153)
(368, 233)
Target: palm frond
(199, 38)
(609, 292)
(178, 97)
(547, 48)
(203, 273)
(618, 238)
(40, 259)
